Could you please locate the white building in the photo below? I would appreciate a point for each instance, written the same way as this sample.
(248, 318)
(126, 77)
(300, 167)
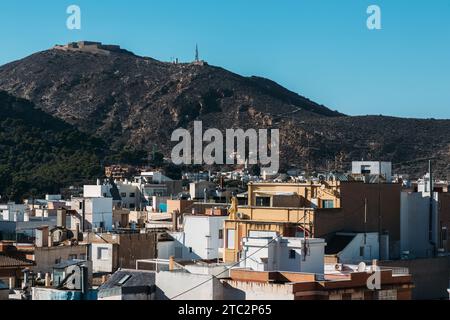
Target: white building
(97, 191)
(12, 212)
(284, 254)
(201, 239)
(373, 168)
(197, 189)
(155, 177)
(97, 211)
(353, 248)
(130, 195)
(102, 255)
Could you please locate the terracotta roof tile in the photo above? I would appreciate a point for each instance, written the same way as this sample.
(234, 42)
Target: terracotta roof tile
(8, 262)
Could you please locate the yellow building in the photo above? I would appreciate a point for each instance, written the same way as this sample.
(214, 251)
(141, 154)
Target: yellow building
(278, 208)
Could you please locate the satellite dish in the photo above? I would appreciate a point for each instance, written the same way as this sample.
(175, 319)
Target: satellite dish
(362, 267)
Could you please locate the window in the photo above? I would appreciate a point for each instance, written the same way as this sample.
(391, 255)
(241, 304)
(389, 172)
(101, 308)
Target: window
(57, 261)
(123, 280)
(291, 254)
(365, 170)
(221, 234)
(82, 256)
(132, 206)
(81, 205)
(327, 204)
(361, 251)
(123, 194)
(190, 249)
(263, 201)
(104, 194)
(230, 238)
(102, 253)
(132, 195)
(72, 257)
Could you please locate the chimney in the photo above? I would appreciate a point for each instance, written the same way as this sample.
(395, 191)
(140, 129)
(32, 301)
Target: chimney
(61, 218)
(175, 220)
(47, 280)
(42, 237)
(374, 265)
(77, 232)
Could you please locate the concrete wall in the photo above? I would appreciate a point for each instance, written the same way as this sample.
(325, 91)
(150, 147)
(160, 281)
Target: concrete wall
(104, 257)
(267, 255)
(129, 202)
(415, 224)
(375, 167)
(170, 284)
(12, 212)
(444, 221)
(7, 230)
(4, 294)
(97, 210)
(96, 191)
(383, 213)
(166, 249)
(202, 235)
(351, 253)
(46, 257)
(431, 276)
(240, 290)
(130, 247)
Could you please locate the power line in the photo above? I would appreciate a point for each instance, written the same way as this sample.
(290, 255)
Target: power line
(247, 257)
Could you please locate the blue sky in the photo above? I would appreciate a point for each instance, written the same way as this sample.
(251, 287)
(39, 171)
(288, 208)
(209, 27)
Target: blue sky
(321, 49)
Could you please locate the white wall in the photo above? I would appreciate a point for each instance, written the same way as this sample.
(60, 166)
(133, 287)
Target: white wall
(196, 189)
(101, 209)
(127, 189)
(103, 263)
(201, 233)
(12, 212)
(351, 253)
(170, 284)
(265, 254)
(375, 166)
(97, 210)
(96, 191)
(166, 249)
(243, 290)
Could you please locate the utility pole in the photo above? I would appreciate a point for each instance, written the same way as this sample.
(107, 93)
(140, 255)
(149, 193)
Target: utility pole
(380, 230)
(430, 216)
(365, 221)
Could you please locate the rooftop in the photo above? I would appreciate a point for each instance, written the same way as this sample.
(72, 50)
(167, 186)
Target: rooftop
(12, 262)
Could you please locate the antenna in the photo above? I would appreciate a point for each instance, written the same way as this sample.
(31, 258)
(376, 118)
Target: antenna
(196, 53)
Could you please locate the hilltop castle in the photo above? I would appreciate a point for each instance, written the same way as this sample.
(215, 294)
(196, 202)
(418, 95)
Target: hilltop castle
(89, 46)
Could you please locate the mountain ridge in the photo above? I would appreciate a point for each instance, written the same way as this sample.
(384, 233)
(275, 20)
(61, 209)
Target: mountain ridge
(137, 102)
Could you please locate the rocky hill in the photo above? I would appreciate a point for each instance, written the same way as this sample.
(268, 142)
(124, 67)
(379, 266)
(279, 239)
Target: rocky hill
(137, 102)
(41, 154)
